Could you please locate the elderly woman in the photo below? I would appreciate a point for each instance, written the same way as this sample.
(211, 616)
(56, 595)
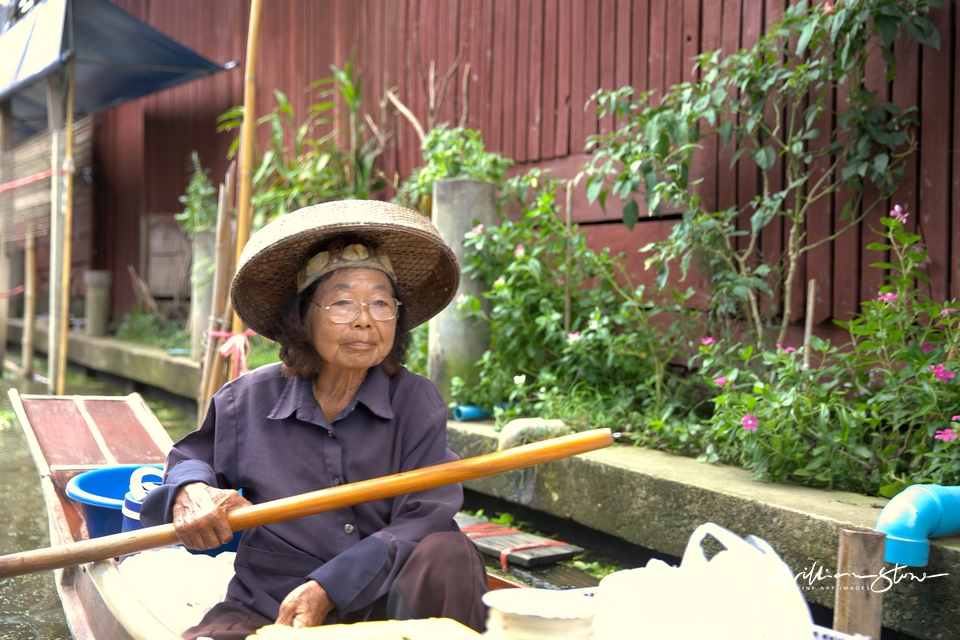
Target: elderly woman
(339, 286)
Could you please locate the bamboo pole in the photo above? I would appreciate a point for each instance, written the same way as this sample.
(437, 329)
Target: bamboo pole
(61, 382)
(808, 324)
(857, 607)
(313, 502)
(212, 362)
(247, 134)
(29, 305)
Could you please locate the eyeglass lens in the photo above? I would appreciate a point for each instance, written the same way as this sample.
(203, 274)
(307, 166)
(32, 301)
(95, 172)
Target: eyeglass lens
(348, 310)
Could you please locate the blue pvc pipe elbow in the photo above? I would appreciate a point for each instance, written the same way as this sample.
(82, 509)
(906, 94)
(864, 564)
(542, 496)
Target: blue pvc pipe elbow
(469, 412)
(913, 516)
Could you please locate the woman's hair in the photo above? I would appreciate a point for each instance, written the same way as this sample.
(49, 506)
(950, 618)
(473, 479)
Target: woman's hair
(297, 353)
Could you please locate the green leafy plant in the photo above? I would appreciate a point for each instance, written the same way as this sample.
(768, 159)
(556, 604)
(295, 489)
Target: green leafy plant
(451, 153)
(771, 105)
(199, 200)
(598, 361)
(296, 169)
(146, 328)
(873, 416)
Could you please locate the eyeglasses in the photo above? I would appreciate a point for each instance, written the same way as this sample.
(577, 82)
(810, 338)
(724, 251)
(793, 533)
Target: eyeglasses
(348, 310)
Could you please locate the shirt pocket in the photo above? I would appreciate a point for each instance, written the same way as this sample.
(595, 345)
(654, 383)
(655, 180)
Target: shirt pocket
(283, 564)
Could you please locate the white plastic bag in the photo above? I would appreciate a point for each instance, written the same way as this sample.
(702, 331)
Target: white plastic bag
(745, 591)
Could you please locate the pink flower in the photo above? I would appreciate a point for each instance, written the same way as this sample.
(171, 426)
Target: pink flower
(955, 418)
(721, 381)
(941, 372)
(946, 435)
(948, 310)
(518, 251)
(478, 228)
(898, 214)
(707, 340)
(560, 282)
(828, 7)
(789, 349)
(461, 298)
(749, 422)
(887, 297)
(927, 347)
(573, 337)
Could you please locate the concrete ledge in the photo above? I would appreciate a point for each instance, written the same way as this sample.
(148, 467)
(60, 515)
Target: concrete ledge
(656, 500)
(147, 365)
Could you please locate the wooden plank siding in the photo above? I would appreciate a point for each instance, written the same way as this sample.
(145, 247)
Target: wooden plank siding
(533, 64)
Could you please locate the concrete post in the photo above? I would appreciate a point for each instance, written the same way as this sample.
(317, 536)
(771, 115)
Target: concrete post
(97, 301)
(456, 344)
(201, 288)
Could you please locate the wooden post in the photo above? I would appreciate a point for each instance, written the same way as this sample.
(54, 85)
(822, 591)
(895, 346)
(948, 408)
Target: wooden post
(55, 124)
(6, 144)
(67, 243)
(211, 372)
(29, 305)
(857, 607)
(248, 132)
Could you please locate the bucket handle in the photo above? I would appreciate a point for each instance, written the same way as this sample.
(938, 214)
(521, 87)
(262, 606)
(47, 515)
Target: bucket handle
(137, 488)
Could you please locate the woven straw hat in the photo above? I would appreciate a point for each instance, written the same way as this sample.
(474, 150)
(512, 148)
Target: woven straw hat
(426, 268)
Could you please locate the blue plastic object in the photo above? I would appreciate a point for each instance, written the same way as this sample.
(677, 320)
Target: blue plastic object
(101, 493)
(469, 412)
(913, 516)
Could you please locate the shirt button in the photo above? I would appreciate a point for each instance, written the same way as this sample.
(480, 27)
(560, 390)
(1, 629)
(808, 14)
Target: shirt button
(348, 528)
(336, 483)
(329, 434)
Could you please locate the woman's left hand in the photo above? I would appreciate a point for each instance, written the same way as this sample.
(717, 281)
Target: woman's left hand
(305, 606)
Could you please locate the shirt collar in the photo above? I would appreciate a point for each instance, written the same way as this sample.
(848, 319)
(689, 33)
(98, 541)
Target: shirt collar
(297, 397)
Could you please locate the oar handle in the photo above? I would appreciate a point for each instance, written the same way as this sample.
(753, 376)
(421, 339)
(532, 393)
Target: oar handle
(311, 503)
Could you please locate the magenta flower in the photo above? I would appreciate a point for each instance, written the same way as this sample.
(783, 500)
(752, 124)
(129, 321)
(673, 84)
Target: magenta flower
(721, 381)
(707, 340)
(478, 228)
(927, 347)
(941, 372)
(948, 310)
(946, 435)
(955, 419)
(749, 422)
(898, 214)
(887, 297)
(518, 251)
(789, 349)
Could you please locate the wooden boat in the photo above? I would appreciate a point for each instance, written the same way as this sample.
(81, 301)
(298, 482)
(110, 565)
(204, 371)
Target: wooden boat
(68, 435)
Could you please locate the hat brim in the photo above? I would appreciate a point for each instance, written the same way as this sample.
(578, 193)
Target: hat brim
(426, 268)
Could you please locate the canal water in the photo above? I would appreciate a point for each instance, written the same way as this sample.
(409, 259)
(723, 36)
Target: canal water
(29, 605)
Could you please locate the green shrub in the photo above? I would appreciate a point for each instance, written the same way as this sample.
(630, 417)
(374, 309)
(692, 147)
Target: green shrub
(874, 416)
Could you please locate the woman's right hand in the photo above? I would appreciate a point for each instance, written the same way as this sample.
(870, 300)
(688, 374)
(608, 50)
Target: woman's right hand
(200, 515)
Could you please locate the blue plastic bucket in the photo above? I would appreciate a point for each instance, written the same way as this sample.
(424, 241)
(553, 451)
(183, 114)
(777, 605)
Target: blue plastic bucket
(101, 493)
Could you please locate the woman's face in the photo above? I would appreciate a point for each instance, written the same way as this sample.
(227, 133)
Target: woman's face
(362, 343)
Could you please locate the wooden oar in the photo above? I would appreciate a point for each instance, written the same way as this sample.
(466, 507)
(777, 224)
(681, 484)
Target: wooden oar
(311, 503)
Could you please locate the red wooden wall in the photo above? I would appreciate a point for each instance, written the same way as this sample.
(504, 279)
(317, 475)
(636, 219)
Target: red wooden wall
(533, 66)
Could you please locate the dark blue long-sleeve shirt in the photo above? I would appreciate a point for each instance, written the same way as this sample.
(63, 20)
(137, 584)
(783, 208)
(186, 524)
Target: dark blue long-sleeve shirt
(268, 435)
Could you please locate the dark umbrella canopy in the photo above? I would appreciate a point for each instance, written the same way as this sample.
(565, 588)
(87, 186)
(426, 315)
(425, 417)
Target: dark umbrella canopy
(118, 58)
